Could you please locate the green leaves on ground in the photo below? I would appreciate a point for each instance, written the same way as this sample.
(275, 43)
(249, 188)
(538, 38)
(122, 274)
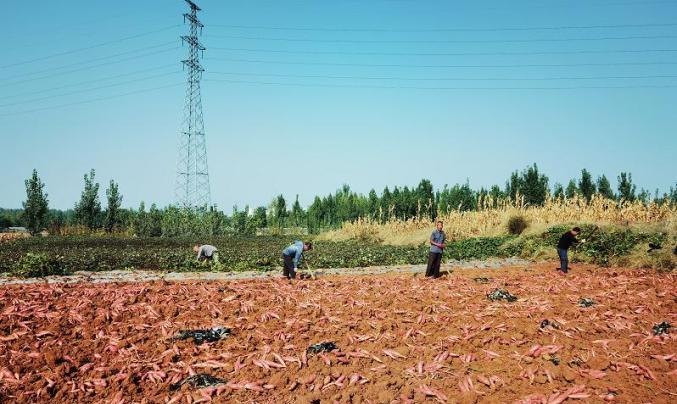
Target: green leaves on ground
(39, 256)
(59, 255)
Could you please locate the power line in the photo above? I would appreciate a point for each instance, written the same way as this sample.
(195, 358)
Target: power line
(574, 52)
(512, 5)
(89, 47)
(92, 100)
(88, 89)
(51, 69)
(357, 41)
(444, 65)
(89, 67)
(84, 22)
(439, 88)
(449, 78)
(67, 29)
(91, 81)
(542, 28)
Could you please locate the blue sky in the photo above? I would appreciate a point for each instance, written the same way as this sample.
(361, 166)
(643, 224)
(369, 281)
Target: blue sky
(302, 96)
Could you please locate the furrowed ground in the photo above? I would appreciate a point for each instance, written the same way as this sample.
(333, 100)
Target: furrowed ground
(400, 338)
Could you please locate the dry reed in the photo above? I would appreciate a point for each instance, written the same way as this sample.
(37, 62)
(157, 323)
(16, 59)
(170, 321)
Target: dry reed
(491, 217)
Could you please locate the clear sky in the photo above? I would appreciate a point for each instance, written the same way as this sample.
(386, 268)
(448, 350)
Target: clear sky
(302, 96)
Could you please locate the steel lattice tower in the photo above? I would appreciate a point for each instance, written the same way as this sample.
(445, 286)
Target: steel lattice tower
(192, 181)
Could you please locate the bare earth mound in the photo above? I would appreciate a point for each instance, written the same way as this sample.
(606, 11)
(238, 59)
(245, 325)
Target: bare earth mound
(400, 338)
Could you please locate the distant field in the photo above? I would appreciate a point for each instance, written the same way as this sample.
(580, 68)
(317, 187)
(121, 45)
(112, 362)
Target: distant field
(38, 256)
(58, 255)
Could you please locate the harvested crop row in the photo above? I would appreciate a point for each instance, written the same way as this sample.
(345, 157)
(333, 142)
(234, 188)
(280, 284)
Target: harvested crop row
(397, 337)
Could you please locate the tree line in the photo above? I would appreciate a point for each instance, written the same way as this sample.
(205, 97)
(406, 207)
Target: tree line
(330, 211)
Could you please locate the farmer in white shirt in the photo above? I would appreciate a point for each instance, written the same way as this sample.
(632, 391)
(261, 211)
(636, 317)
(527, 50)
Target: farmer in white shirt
(206, 252)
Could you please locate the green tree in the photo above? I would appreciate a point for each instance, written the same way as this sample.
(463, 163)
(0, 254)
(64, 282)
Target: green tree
(604, 187)
(155, 222)
(87, 211)
(278, 212)
(626, 189)
(496, 194)
(558, 191)
(239, 220)
(113, 215)
(36, 204)
(425, 199)
(315, 217)
(408, 203)
(531, 185)
(140, 222)
(586, 185)
(458, 197)
(173, 222)
(297, 213)
(385, 204)
(259, 220)
(644, 196)
(5, 222)
(330, 210)
(215, 221)
(396, 203)
(572, 189)
(534, 186)
(671, 197)
(347, 205)
(10, 217)
(373, 205)
(512, 186)
(57, 220)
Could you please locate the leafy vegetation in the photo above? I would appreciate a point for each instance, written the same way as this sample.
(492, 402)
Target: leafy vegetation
(38, 264)
(60, 255)
(477, 248)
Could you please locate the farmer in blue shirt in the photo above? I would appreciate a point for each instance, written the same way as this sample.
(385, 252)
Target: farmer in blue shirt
(436, 249)
(292, 255)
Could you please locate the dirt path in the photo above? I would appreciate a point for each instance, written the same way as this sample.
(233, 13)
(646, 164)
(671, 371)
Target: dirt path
(147, 276)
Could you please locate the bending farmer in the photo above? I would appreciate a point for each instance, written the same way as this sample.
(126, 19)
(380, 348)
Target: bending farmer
(565, 242)
(436, 250)
(206, 252)
(292, 255)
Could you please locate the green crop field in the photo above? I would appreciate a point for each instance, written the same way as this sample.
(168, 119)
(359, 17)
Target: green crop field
(38, 256)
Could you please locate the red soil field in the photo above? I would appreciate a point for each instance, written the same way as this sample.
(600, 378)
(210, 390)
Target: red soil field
(400, 338)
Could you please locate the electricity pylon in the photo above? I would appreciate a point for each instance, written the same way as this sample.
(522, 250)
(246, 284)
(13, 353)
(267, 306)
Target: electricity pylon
(192, 181)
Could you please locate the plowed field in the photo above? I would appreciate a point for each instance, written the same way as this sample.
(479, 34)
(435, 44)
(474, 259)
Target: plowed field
(400, 338)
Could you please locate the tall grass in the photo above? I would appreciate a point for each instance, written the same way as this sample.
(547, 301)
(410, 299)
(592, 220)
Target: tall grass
(491, 218)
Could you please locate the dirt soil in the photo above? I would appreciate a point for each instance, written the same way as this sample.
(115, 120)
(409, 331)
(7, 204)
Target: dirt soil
(400, 338)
